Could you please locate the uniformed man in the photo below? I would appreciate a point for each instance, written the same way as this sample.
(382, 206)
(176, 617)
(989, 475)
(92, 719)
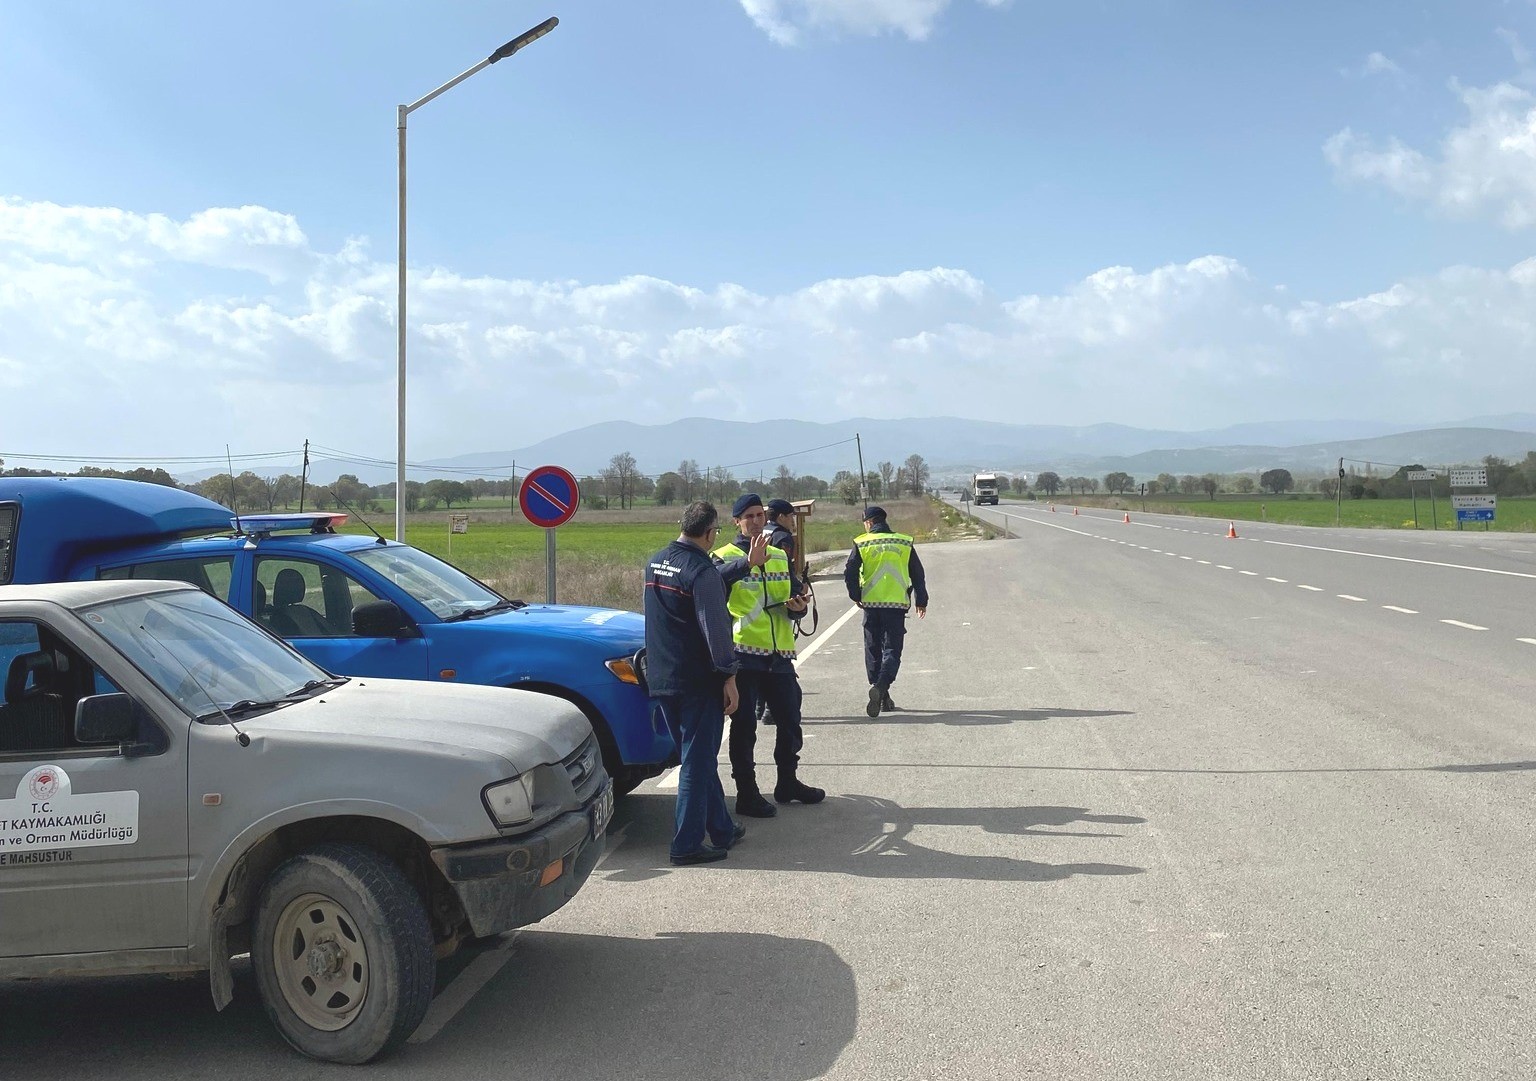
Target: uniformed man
(765, 594)
(781, 534)
(691, 673)
(884, 577)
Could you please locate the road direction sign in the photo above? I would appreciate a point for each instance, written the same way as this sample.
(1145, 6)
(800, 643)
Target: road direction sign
(458, 523)
(1422, 474)
(549, 496)
(1469, 478)
(1475, 508)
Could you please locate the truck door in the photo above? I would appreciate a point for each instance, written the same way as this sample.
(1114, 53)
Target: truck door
(310, 603)
(93, 845)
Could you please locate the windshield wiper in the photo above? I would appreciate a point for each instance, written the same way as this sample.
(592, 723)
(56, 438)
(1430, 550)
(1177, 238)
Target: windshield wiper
(316, 684)
(250, 705)
(476, 613)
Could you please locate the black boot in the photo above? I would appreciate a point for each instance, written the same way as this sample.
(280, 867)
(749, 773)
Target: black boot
(789, 789)
(886, 705)
(750, 802)
(875, 694)
(764, 714)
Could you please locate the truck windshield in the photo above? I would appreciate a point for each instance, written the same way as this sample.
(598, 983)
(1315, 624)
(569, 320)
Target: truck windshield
(441, 587)
(206, 656)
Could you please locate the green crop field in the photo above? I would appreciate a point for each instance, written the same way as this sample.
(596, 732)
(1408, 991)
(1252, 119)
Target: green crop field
(599, 553)
(1514, 514)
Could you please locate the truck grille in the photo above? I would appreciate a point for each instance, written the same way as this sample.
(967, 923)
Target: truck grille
(582, 766)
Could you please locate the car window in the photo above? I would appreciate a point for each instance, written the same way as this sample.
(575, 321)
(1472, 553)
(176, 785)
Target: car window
(44, 680)
(214, 575)
(440, 587)
(300, 598)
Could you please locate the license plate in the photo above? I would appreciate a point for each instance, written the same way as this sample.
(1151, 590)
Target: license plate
(602, 811)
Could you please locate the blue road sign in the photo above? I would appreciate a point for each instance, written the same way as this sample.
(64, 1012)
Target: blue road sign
(549, 496)
(1474, 514)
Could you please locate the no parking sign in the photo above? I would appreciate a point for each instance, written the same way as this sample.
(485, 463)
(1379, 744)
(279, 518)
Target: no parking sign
(549, 497)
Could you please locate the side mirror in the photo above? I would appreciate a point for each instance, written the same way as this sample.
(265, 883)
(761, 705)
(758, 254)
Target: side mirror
(106, 718)
(381, 619)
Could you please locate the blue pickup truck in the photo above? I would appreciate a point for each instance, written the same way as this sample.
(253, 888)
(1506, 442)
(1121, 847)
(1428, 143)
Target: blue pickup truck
(356, 605)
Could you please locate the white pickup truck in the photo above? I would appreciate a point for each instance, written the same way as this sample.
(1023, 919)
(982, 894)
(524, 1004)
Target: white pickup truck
(178, 787)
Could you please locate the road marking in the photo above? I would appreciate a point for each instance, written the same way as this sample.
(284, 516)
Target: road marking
(465, 986)
(1314, 589)
(1527, 641)
(1207, 562)
(1405, 611)
(1401, 559)
(1466, 626)
(669, 778)
(1348, 597)
(1280, 580)
(1186, 557)
(616, 839)
(1222, 567)
(1251, 574)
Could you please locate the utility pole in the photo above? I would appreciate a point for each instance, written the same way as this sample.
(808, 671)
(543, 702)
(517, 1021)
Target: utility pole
(863, 489)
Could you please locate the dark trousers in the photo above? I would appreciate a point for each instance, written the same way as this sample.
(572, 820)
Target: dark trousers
(885, 629)
(781, 692)
(697, 722)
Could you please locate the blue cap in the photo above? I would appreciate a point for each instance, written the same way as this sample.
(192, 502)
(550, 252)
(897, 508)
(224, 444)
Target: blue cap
(751, 499)
(780, 506)
(874, 514)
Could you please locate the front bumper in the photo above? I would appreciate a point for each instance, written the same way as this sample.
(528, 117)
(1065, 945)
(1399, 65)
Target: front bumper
(497, 882)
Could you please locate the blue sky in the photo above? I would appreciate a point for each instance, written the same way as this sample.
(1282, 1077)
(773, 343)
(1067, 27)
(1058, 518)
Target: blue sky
(1165, 214)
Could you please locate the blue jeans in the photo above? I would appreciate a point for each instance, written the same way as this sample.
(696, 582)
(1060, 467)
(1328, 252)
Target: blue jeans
(697, 722)
(885, 630)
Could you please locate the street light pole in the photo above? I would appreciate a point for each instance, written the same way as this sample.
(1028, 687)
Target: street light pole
(528, 37)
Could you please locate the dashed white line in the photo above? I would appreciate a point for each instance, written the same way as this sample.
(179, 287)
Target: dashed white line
(1348, 597)
(1405, 611)
(1314, 589)
(1464, 626)
(1251, 574)
(1207, 562)
(1527, 641)
(1280, 580)
(465, 986)
(1186, 557)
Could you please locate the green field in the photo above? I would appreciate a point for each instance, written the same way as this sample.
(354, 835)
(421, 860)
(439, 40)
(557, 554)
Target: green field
(1516, 515)
(599, 553)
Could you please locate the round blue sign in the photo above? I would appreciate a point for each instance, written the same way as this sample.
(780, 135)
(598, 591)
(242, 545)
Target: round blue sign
(549, 496)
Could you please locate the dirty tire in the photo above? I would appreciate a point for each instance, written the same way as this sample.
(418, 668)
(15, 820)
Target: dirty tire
(384, 940)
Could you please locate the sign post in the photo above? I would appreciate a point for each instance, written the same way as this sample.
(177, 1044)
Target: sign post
(549, 498)
(457, 523)
(1414, 477)
(1472, 508)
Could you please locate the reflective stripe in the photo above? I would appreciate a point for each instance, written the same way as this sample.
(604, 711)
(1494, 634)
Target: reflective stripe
(762, 626)
(883, 578)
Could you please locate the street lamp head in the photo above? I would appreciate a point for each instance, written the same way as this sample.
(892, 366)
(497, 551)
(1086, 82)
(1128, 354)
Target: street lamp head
(527, 37)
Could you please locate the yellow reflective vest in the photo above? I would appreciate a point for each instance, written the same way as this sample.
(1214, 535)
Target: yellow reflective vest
(883, 577)
(761, 623)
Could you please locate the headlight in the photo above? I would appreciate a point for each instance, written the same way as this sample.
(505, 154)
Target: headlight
(624, 668)
(510, 802)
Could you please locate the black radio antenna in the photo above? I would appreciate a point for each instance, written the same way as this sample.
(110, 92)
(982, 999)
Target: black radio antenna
(360, 518)
(234, 496)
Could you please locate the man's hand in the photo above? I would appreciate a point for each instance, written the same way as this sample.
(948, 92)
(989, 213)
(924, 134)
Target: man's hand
(757, 550)
(922, 611)
(796, 604)
(732, 700)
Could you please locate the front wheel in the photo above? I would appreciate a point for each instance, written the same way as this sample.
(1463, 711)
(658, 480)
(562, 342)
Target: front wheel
(343, 953)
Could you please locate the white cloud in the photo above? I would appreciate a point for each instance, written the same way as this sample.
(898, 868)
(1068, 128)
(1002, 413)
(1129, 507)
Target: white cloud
(1376, 64)
(1485, 167)
(788, 21)
(1517, 48)
(111, 343)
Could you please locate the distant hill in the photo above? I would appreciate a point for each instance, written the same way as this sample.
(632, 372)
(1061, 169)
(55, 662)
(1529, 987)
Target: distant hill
(956, 447)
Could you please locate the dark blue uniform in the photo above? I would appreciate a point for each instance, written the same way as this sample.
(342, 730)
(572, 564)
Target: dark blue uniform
(885, 629)
(689, 656)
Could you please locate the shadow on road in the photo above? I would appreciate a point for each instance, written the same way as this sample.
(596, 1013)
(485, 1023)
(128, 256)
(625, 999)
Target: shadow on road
(867, 836)
(969, 718)
(565, 1006)
(1470, 767)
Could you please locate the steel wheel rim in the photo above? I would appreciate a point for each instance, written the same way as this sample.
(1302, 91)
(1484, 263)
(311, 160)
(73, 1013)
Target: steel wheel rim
(321, 962)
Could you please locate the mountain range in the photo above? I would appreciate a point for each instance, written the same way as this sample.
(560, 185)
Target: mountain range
(955, 447)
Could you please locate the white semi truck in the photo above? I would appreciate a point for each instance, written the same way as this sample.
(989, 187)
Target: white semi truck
(984, 488)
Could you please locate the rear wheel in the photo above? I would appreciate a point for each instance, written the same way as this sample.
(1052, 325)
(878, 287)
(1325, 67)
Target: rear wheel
(343, 953)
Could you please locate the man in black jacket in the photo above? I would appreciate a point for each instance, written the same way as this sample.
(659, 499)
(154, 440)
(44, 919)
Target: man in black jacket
(691, 673)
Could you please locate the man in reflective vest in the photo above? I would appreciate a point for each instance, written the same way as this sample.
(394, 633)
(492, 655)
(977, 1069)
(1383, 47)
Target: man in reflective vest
(884, 577)
(764, 597)
(781, 513)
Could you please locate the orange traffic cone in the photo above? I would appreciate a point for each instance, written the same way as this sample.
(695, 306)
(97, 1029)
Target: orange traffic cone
(1127, 517)
(1231, 531)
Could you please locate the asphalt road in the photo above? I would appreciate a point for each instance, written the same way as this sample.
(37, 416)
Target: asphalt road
(1141, 816)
